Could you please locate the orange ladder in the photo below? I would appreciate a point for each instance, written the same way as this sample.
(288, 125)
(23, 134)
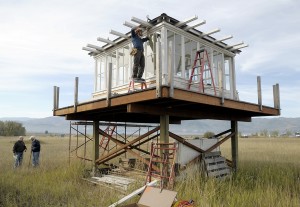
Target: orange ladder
(205, 69)
(110, 129)
(132, 84)
(166, 160)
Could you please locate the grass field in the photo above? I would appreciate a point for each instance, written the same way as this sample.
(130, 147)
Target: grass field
(268, 175)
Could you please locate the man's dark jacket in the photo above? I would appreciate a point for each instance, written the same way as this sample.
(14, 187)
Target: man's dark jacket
(35, 146)
(19, 146)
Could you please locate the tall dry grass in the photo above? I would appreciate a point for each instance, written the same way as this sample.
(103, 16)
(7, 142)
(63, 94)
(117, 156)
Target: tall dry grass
(268, 175)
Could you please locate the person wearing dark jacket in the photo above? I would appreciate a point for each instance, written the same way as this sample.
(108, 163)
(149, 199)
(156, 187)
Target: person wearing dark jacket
(18, 149)
(35, 150)
(139, 58)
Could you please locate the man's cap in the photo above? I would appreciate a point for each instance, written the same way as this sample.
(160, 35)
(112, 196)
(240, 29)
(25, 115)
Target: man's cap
(32, 138)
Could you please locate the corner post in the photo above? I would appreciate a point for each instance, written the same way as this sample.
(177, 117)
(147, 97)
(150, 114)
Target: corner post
(171, 69)
(259, 92)
(95, 146)
(158, 71)
(109, 84)
(76, 94)
(55, 98)
(234, 145)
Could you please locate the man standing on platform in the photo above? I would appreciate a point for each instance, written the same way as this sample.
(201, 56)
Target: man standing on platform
(35, 150)
(138, 53)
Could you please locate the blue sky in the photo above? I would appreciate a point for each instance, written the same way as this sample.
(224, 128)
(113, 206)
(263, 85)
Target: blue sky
(41, 45)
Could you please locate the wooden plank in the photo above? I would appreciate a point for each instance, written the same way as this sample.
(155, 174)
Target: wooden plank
(216, 167)
(214, 160)
(215, 101)
(182, 140)
(144, 95)
(142, 159)
(178, 112)
(211, 154)
(129, 143)
(220, 142)
(219, 172)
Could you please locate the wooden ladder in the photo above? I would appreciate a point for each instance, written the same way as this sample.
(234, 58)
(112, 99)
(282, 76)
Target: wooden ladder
(166, 161)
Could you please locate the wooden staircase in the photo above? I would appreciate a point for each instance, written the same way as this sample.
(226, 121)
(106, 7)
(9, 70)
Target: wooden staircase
(215, 165)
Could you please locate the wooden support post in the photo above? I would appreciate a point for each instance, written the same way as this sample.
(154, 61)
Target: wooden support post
(70, 136)
(171, 57)
(234, 145)
(164, 128)
(55, 98)
(158, 71)
(164, 138)
(76, 94)
(109, 84)
(95, 146)
(276, 96)
(259, 92)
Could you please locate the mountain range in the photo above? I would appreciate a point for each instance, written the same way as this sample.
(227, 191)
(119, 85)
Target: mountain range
(61, 126)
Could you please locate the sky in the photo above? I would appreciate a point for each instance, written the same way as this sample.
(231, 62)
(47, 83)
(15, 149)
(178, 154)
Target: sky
(41, 46)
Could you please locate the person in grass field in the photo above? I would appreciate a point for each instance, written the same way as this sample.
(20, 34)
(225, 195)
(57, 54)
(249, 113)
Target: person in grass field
(18, 149)
(35, 150)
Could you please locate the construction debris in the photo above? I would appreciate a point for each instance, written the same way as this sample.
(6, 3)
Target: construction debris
(155, 197)
(116, 181)
(134, 193)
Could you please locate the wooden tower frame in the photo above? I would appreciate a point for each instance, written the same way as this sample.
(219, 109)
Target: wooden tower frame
(166, 100)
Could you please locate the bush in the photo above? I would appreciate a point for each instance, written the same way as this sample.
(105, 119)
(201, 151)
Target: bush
(11, 128)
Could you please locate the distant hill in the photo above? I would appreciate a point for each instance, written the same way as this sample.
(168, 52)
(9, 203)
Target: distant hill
(281, 124)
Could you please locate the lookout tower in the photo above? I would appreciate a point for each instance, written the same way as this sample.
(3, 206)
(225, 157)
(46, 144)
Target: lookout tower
(189, 75)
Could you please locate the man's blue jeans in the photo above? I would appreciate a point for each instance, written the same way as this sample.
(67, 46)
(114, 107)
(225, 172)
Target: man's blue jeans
(18, 159)
(35, 158)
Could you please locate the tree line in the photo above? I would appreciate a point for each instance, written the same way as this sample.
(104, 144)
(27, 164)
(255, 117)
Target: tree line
(11, 128)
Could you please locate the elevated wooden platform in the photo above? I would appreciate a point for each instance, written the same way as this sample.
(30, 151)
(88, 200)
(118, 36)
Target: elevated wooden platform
(146, 107)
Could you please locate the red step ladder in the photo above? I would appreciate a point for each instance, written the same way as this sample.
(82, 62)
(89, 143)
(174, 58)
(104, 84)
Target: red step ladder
(202, 62)
(166, 160)
(132, 83)
(105, 140)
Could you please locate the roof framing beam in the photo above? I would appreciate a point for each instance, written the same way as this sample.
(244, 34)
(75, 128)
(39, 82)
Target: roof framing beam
(211, 32)
(142, 22)
(179, 24)
(90, 50)
(106, 41)
(187, 28)
(231, 46)
(95, 47)
(129, 24)
(223, 39)
(239, 47)
(118, 34)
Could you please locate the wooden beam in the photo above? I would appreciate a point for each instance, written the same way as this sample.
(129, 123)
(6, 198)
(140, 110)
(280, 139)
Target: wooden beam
(128, 144)
(219, 142)
(225, 132)
(182, 140)
(234, 145)
(184, 112)
(123, 147)
(95, 146)
(215, 101)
